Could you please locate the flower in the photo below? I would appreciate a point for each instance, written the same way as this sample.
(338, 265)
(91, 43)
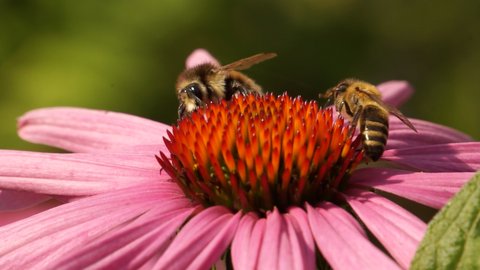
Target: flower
(122, 212)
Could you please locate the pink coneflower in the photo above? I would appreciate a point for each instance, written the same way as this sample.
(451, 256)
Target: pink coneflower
(235, 187)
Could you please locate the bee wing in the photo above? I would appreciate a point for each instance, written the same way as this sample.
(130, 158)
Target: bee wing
(248, 62)
(390, 109)
(400, 116)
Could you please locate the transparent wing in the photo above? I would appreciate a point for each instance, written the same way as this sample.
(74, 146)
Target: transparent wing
(248, 62)
(390, 109)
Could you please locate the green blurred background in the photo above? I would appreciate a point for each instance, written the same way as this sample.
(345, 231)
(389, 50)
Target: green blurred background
(125, 55)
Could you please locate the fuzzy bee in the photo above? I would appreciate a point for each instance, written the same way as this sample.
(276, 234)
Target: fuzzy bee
(205, 82)
(361, 102)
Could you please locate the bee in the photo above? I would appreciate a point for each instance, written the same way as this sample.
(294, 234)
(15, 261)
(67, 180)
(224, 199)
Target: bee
(207, 82)
(361, 102)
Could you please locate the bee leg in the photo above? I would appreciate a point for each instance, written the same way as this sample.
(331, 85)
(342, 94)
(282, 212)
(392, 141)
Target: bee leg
(181, 111)
(340, 107)
(239, 89)
(354, 121)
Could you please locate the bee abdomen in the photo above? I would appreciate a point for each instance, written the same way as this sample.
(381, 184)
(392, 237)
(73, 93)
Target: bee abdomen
(374, 129)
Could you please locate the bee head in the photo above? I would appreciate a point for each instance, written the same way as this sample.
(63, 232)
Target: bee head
(190, 98)
(341, 87)
(192, 90)
(332, 93)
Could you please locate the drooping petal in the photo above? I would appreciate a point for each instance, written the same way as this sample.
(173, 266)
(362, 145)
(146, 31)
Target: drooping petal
(301, 239)
(338, 238)
(247, 242)
(133, 245)
(11, 200)
(34, 242)
(401, 136)
(83, 130)
(452, 157)
(398, 230)
(283, 244)
(75, 174)
(202, 241)
(431, 189)
(274, 242)
(395, 93)
(200, 56)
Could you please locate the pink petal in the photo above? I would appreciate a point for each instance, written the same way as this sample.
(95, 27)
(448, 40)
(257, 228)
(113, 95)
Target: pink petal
(274, 242)
(141, 149)
(398, 230)
(431, 189)
(255, 248)
(202, 241)
(453, 157)
(280, 244)
(395, 93)
(200, 56)
(75, 174)
(336, 233)
(10, 217)
(301, 239)
(45, 238)
(83, 130)
(133, 245)
(247, 242)
(401, 136)
(11, 200)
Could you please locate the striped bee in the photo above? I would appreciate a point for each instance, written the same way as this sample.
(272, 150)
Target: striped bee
(361, 102)
(198, 85)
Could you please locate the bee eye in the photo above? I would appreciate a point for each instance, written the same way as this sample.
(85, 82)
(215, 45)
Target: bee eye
(341, 87)
(194, 88)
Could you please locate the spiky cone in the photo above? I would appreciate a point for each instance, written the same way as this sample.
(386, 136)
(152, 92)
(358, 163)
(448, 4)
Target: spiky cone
(259, 152)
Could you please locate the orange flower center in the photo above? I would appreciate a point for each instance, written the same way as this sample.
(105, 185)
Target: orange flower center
(258, 152)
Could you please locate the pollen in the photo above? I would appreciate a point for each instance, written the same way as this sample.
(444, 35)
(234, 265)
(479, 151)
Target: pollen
(254, 153)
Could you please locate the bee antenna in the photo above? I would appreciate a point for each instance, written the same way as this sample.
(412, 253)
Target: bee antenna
(329, 102)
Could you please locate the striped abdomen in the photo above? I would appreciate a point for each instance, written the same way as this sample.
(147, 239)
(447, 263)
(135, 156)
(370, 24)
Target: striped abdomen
(374, 129)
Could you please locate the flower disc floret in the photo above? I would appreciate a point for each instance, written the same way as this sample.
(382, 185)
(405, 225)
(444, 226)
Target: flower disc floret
(254, 153)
